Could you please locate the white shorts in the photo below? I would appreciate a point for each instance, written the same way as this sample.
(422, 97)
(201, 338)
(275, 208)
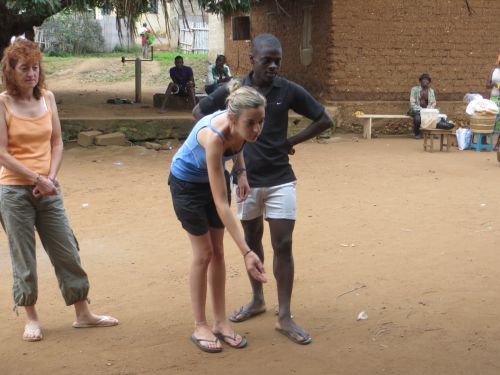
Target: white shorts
(275, 202)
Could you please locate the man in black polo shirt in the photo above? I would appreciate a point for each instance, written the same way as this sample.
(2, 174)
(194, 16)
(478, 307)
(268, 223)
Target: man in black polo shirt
(270, 176)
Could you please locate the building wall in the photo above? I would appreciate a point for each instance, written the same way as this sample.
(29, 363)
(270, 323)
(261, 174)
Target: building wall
(265, 18)
(156, 21)
(215, 36)
(375, 50)
(382, 50)
(158, 24)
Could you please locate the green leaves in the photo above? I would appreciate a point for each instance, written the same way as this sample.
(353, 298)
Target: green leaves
(226, 6)
(34, 6)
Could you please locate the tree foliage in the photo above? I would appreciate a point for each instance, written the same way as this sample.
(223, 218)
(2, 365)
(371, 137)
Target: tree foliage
(227, 6)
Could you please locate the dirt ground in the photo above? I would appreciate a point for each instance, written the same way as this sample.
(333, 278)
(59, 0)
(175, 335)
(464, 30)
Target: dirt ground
(411, 238)
(83, 87)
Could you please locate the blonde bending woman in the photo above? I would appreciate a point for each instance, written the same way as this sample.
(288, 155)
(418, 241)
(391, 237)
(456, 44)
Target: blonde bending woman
(200, 193)
(30, 197)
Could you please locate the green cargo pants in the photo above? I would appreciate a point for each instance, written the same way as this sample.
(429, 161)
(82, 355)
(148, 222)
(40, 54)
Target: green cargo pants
(20, 214)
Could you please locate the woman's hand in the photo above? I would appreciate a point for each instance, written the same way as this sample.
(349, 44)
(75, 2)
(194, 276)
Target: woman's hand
(44, 187)
(243, 188)
(255, 267)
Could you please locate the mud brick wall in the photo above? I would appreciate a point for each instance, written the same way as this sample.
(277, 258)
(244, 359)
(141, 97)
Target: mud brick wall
(265, 18)
(375, 50)
(381, 47)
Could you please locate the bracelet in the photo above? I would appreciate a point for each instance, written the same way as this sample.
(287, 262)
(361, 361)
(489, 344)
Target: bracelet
(37, 179)
(248, 252)
(240, 171)
(52, 179)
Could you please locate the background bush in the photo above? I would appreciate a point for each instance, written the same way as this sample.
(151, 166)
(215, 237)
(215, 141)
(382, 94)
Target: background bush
(70, 33)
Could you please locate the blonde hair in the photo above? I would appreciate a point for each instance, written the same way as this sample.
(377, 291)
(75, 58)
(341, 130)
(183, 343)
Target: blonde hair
(243, 97)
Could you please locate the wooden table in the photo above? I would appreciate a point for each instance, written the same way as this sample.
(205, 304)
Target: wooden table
(367, 122)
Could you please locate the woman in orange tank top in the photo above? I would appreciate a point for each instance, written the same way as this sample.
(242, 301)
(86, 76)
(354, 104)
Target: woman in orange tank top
(30, 197)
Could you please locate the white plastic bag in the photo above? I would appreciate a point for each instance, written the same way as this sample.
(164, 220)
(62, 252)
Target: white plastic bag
(469, 97)
(463, 138)
(429, 117)
(483, 106)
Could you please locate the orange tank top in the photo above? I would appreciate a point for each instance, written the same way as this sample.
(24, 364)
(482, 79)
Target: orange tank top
(28, 142)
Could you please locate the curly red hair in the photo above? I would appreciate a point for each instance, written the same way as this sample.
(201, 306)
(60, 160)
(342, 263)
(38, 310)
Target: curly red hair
(21, 50)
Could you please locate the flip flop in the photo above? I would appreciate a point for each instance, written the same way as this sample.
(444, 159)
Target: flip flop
(204, 348)
(226, 339)
(105, 321)
(32, 334)
(244, 314)
(295, 336)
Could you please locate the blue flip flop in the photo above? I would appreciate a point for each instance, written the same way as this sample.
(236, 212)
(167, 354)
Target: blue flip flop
(295, 335)
(206, 349)
(226, 339)
(243, 313)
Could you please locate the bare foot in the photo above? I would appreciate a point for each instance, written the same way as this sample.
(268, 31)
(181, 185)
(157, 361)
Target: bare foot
(92, 320)
(205, 339)
(248, 311)
(32, 331)
(225, 333)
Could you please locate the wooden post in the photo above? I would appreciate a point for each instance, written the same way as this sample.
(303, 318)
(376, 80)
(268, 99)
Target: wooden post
(138, 94)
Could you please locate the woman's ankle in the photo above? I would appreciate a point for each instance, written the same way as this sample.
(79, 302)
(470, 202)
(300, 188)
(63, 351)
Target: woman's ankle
(31, 313)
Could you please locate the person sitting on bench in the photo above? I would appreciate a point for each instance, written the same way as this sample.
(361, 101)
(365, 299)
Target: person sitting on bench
(421, 96)
(182, 82)
(218, 74)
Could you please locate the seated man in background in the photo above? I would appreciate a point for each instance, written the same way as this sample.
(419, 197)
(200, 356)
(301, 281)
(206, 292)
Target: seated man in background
(182, 82)
(218, 74)
(421, 96)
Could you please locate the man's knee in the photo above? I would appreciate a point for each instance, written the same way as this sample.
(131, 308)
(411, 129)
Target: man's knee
(254, 227)
(283, 245)
(254, 230)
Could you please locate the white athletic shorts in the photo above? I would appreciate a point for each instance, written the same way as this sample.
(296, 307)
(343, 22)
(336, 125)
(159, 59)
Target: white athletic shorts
(275, 202)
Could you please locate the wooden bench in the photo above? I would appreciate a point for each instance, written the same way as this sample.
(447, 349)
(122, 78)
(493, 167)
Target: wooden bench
(367, 122)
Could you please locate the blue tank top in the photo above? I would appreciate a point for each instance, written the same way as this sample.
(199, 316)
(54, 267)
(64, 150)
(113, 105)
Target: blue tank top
(189, 162)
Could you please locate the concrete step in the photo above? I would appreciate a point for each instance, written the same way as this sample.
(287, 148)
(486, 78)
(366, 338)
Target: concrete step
(135, 129)
(176, 125)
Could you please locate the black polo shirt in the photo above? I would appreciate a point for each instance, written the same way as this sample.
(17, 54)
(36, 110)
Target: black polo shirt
(266, 159)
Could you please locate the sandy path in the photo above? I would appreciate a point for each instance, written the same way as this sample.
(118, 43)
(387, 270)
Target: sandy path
(83, 87)
(425, 230)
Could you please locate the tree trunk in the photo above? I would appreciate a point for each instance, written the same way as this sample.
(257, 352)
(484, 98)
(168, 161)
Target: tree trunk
(14, 23)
